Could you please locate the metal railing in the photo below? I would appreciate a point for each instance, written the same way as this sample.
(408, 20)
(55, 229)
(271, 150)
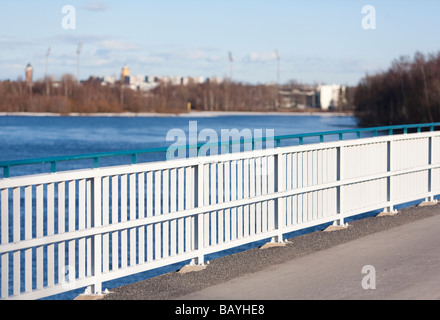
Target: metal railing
(81, 228)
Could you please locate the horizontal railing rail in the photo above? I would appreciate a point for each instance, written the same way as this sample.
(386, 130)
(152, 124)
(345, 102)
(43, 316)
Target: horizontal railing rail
(134, 154)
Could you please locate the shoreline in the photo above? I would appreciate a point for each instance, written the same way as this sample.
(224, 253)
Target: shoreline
(189, 114)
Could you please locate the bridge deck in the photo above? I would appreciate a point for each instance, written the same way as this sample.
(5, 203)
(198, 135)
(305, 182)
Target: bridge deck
(404, 265)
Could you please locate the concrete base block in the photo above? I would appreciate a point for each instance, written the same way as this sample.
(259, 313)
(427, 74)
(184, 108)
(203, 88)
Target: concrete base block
(273, 245)
(335, 228)
(384, 214)
(428, 203)
(88, 296)
(191, 268)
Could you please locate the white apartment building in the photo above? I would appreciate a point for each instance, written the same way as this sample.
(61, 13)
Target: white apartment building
(329, 95)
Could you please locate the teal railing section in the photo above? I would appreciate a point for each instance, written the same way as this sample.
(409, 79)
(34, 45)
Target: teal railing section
(374, 131)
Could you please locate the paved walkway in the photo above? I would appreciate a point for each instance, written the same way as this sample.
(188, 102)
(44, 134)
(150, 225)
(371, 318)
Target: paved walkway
(404, 250)
(406, 262)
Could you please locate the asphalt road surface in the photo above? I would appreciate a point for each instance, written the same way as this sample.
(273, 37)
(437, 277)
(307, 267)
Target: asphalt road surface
(401, 263)
(391, 257)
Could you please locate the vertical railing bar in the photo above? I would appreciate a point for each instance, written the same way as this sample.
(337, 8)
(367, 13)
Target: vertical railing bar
(16, 238)
(81, 226)
(173, 208)
(97, 240)
(206, 230)
(124, 215)
(89, 223)
(132, 201)
(165, 209)
(39, 233)
(220, 194)
(115, 220)
(199, 223)
(61, 229)
(53, 167)
(149, 213)
(340, 177)
(70, 270)
(227, 194)
(105, 221)
(3, 240)
(157, 212)
(6, 172)
(50, 231)
(96, 162)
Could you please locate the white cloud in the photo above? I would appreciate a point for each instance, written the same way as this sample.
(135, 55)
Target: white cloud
(95, 6)
(118, 45)
(151, 59)
(260, 57)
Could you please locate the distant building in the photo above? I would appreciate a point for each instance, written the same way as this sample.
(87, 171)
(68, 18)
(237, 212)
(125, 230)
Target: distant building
(215, 80)
(125, 75)
(29, 74)
(150, 79)
(107, 80)
(139, 82)
(331, 96)
(300, 98)
(136, 79)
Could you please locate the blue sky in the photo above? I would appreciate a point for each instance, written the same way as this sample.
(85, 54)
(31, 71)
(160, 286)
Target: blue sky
(319, 41)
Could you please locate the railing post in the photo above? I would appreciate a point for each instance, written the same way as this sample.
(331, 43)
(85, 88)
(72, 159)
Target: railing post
(199, 223)
(390, 208)
(340, 189)
(96, 239)
(280, 203)
(430, 197)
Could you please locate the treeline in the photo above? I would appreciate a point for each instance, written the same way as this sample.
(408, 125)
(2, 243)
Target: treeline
(408, 92)
(67, 96)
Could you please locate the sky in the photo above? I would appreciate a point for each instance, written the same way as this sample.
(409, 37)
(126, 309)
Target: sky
(318, 41)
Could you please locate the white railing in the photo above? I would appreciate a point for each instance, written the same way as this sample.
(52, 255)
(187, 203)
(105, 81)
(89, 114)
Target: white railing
(75, 229)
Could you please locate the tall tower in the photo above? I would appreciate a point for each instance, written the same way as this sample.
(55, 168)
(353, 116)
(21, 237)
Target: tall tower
(29, 74)
(125, 75)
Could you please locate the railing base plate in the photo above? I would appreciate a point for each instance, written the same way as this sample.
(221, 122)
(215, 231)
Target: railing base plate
(428, 203)
(192, 268)
(336, 228)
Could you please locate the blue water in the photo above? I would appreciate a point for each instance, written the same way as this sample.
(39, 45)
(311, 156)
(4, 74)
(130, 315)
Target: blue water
(35, 137)
(24, 137)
